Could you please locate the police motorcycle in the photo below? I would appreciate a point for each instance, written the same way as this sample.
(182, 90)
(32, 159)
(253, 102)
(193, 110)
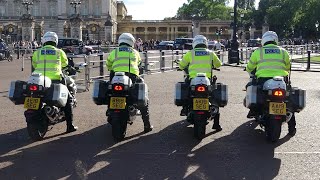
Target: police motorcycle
(43, 100)
(123, 98)
(202, 97)
(275, 103)
(5, 53)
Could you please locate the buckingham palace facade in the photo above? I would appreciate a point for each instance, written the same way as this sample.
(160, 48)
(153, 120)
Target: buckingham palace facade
(56, 15)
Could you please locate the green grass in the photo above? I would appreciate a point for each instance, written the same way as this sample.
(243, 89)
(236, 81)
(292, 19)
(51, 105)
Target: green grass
(313, 59)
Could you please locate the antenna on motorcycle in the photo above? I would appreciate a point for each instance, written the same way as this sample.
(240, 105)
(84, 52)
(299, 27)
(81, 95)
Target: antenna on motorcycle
(129, 64)
(289, 83)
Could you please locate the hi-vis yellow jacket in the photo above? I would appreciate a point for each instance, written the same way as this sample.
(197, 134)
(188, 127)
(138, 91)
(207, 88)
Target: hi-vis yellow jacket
(49, 61)
(269, 61)
(121, 58)
(200, 60)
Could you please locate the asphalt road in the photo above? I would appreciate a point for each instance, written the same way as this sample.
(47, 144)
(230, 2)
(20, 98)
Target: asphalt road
(239, 151)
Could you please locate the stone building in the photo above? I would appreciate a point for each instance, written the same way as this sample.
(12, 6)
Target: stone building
(169, 29)
(59, 16)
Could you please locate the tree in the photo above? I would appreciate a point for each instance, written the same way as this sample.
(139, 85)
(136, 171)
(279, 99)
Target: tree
(204, 9)
(246, 4)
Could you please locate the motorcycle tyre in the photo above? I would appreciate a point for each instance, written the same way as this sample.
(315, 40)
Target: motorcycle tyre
(199, 129)
(119, 127)
(37, 131)
(10, 58)
(273, 130)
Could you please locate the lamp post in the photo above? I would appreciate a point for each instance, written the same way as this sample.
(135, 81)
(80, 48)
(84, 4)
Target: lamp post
(241, 18)
(192, 29)
(27, 5)
(317, 26)
(74, 4)
(233, 55)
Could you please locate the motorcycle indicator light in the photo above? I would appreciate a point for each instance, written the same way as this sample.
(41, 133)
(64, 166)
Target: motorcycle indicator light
(118, 88)
(278, 93)
(201, 89)
(33, 87)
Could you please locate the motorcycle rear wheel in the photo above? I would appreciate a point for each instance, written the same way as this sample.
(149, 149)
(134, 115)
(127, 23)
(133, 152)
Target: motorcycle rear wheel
(199, 130)
(119, 127)
(273, 130)
(10, 58)
(37, 130)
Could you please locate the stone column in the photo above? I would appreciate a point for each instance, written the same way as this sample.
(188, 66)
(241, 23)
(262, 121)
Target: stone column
(265, 27)
(76, 27)
(253, 29)
(207, 31)
(27, 27)
(145, 33)
(108, 30)
(135, 31)
(168, 34)
(157, 33)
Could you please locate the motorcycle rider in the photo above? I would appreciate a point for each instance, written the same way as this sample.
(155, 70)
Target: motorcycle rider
(52, 60)
(200, 60)
(269, 61)
(120, 59)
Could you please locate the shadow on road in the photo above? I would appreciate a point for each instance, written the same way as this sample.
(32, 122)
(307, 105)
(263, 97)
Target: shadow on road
(172, 153)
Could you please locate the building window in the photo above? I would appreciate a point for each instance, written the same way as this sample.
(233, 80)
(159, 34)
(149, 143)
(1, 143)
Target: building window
(36, 9)
(2, 10)
(85, 8)
(53, 7)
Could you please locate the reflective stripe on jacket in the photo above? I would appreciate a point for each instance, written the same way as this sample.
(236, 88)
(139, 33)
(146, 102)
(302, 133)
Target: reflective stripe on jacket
(269, 61)
(120, 59)
(49, 61)
(200, 60)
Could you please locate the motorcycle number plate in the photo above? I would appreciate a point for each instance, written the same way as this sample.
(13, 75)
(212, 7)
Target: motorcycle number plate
(277, 108)
(117, 103)
(200, 104)
(31, 103)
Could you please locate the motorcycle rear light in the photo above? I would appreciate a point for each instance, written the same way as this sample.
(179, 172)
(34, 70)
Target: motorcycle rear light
(278, 93)
(33, 87)
(200, 112)
(277, 117)
(118, 88)
(201, 89)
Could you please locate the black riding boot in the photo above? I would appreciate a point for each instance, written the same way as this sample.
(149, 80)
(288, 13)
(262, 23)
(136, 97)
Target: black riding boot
(146, 119)
(184, 111)
(216, 122)
(292, 126)
(69, 117)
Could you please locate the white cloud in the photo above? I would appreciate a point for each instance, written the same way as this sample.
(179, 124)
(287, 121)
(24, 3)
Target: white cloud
(153, 9)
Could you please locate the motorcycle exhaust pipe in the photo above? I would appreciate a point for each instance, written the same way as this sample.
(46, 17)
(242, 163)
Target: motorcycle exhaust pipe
(51, 111)
(289, 115)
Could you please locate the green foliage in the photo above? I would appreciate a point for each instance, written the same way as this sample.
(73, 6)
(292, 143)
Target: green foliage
(290, 18)
(204, 10)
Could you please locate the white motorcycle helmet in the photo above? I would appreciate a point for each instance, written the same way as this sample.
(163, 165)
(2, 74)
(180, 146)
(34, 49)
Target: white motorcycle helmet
(269, 36)
(50, 37)
(199, 39)
(127, 38)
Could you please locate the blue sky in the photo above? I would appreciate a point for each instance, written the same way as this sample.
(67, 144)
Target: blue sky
(154, 9)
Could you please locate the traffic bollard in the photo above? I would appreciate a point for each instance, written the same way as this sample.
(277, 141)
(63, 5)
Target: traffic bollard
(101, 66)
(309, 60)
(162, 61)
(146, 62)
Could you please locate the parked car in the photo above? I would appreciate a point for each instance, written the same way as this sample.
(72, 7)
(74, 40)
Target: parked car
(183, 43)
(254, 43)
(165, 45)
(74, 45)
(215, 45)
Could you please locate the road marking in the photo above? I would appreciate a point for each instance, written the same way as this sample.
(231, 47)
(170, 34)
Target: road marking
(301, 152)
